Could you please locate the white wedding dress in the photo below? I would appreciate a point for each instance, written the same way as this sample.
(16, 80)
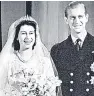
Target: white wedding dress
(11, 63)
(41, 66)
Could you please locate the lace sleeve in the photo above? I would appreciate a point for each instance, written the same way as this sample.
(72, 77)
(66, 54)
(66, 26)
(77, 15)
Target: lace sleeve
(2, 93)
(3, 79)
(51, 75)
(48, 68)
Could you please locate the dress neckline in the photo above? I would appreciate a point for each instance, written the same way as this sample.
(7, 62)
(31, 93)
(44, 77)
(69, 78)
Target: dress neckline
(21, 59)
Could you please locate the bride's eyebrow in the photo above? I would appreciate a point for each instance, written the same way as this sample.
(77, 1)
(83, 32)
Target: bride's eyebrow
(22, 31)
(31, 31)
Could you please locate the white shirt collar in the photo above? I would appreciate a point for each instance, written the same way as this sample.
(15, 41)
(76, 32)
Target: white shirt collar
(81, 36)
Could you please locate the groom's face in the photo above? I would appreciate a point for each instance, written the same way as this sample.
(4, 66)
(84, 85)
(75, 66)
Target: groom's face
(77, 18)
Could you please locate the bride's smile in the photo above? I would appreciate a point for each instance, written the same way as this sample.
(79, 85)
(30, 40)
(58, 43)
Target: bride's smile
(26, 36)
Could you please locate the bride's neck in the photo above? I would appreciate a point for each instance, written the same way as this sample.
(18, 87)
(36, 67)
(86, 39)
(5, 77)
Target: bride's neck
(25, 54)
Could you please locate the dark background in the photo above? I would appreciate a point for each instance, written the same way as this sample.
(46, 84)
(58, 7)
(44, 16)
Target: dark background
(48, 14)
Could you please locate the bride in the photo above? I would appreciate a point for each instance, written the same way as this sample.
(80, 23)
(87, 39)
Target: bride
(25, 65)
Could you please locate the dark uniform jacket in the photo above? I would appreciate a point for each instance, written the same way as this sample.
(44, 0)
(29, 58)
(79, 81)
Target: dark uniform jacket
(74, 67)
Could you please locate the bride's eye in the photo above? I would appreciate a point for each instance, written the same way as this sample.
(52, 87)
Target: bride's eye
(31, 32)
(23, 33)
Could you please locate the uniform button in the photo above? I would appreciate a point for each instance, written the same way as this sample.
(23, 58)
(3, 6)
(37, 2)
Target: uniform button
(71, 82)
(87, 90)
(71, 90)
(87, 73)
(71, 74)
(87, 82)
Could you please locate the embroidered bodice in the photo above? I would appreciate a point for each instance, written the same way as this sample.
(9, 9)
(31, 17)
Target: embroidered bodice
(17, 69)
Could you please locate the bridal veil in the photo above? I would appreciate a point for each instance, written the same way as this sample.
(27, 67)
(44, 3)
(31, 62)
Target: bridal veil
(40, 50)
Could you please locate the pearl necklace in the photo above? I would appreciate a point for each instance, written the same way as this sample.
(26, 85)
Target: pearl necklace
(21, 59)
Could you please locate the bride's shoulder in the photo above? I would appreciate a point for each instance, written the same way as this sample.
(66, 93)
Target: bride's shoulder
(12, 57)
(45, 60)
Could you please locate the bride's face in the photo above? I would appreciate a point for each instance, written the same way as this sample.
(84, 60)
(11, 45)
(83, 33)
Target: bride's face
(26, 37)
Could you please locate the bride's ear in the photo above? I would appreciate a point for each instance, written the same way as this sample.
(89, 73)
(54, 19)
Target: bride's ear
(17, 39)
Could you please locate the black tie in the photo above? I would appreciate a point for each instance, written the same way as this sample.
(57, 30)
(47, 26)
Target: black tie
(77, 44)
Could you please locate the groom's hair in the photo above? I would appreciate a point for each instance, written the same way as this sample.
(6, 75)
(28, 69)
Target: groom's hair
(73, 5)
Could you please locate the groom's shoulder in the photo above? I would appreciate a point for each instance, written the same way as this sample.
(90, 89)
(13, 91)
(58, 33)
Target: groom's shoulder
(59, 46)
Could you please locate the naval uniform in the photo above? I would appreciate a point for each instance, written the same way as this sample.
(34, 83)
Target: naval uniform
(74, 66)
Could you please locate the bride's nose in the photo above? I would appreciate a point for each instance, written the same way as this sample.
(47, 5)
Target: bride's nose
(27, 35)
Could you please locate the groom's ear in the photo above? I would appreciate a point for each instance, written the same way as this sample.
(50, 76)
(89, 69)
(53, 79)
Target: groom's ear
(66, 20)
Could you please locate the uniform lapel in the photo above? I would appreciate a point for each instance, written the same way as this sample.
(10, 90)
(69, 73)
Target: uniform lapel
(86, 47)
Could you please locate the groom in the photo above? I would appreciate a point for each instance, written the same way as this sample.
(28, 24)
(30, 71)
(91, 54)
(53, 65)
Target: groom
(73, 57)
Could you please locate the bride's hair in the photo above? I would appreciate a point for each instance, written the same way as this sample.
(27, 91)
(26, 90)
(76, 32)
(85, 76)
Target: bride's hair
(16, 44)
